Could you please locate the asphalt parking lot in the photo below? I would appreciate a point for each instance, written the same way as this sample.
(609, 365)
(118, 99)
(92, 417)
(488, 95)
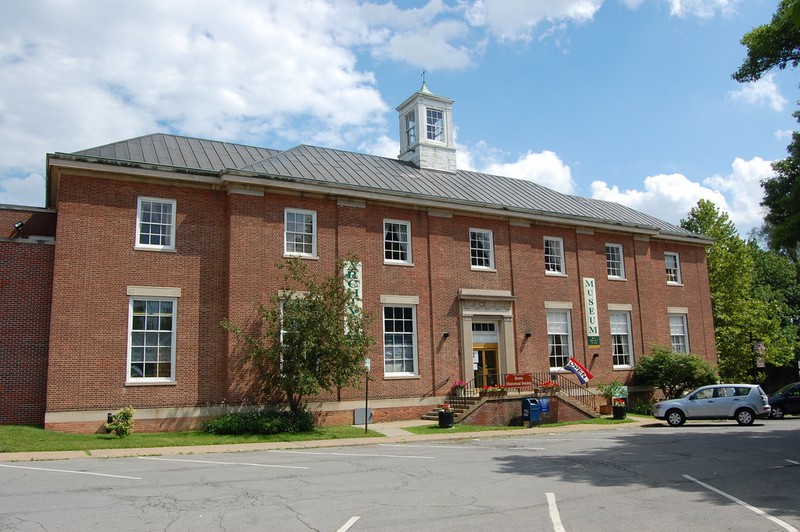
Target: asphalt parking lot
(711, 476)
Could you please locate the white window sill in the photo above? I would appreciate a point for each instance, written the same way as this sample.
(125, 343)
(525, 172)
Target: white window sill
(397, 263)
(614, 278)
(623, 368)
(481, 269)
(672, 283)
(163, 250)
(400, 376)
(150, 383)
(555, 274)
(300, 256)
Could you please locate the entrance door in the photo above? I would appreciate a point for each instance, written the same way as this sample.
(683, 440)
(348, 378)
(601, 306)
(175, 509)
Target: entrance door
(484, 363)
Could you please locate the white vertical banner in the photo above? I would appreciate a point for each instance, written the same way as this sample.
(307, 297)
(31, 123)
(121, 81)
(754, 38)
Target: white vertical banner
(592, 322)
(353, 282)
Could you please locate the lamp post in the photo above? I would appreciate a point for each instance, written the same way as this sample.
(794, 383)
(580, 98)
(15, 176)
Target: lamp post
(366, 395)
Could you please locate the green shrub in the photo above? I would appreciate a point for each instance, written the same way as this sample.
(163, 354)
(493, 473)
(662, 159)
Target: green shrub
(260, 422)
(122, 422)
(674, 373)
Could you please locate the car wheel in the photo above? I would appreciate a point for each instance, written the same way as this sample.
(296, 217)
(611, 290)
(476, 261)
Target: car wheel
(675, 418)
(745, 416)
(777, 412)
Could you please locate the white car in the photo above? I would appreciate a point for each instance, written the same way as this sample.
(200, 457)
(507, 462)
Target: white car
(742, 402)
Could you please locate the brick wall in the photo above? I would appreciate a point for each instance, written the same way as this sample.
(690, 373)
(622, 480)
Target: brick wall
(26, 270)
(227, 248)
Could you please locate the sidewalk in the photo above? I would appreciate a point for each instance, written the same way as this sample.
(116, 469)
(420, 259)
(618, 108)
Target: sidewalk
(393, 433)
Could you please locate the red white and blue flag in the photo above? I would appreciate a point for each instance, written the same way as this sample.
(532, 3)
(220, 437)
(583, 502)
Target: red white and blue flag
(582, 373)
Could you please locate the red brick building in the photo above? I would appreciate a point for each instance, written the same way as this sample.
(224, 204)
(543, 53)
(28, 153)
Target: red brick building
(158, 238)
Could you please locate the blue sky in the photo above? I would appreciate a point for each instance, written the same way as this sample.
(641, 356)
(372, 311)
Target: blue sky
(625, 100)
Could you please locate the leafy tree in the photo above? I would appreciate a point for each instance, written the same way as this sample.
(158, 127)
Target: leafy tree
(782, 200)
(673, 373)
(743, 315)
(777, 44)
(310, 338)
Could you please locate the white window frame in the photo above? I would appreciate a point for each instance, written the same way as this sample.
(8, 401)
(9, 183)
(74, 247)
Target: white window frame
(615, 263)
(679, 332)
(554, 260)
(434, 124)
(286, 233)
(410, 336)
(386, 242)
(476, 250)
(411, 128)
(145, 218)
(621, 338)
(673, 270)
(553, 330)
(145, 337)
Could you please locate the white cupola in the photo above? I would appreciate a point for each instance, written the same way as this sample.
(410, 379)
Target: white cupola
(426, 131)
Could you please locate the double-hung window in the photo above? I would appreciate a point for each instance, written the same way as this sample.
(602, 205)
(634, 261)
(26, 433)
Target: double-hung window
(397, 241)
(151, 339)
(411, 128)
(155, 224)
(673, 266)
(621, 345)
(559, 338)
(300, 233)
(400, 340)
(553, 255)
(615, 266)
(678, 333)
(481, 249)
(435, 124)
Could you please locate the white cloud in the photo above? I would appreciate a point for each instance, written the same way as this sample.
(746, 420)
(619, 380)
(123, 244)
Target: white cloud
(763, 91)
(671, 197)
(544, 168)
(702, 8)
(742, 188)
(665, 196)
(383, 146)
(516, 20)
(783, 134)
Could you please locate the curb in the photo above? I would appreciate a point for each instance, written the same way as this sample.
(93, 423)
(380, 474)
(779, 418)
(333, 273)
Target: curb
(392, 437)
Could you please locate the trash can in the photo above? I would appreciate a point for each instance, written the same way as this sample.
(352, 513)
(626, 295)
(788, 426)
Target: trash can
(530, 411)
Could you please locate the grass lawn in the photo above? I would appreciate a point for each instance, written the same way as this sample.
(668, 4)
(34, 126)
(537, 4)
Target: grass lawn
(15, 438)
(458, 427)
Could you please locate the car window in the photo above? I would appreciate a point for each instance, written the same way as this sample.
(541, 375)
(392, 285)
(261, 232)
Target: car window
(741, 391)
(708, 393)
(785, 389)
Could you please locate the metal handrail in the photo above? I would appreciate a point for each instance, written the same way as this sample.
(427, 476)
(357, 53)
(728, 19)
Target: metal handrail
(457, 397)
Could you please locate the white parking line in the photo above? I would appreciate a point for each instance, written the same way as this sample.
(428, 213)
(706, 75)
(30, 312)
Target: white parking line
(462, 447)
(762, 513)
(552, 508)
(358, 455)
(792, 461)
(220, 463)
(345, 527)
(68, 471)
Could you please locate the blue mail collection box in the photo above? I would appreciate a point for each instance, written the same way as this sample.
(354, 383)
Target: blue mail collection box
(530, 411)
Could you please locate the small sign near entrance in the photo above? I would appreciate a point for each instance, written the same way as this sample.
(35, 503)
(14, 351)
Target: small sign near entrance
(519, 380)
(544, 404)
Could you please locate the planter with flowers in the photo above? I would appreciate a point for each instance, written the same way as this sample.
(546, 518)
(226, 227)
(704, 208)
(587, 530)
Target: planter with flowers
(619, 407)
(457, 389)
(493, 391)
(548, 388)
(446, 416)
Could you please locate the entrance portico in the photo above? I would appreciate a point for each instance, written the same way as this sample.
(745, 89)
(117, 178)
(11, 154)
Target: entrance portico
(487, 334)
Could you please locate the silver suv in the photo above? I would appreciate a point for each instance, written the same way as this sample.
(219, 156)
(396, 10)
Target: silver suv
(742, 402)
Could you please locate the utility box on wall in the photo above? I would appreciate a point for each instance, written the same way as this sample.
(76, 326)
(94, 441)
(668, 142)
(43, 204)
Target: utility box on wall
(360, 417)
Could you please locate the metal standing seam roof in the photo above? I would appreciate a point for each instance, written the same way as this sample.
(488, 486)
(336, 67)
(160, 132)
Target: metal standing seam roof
(369, 172)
